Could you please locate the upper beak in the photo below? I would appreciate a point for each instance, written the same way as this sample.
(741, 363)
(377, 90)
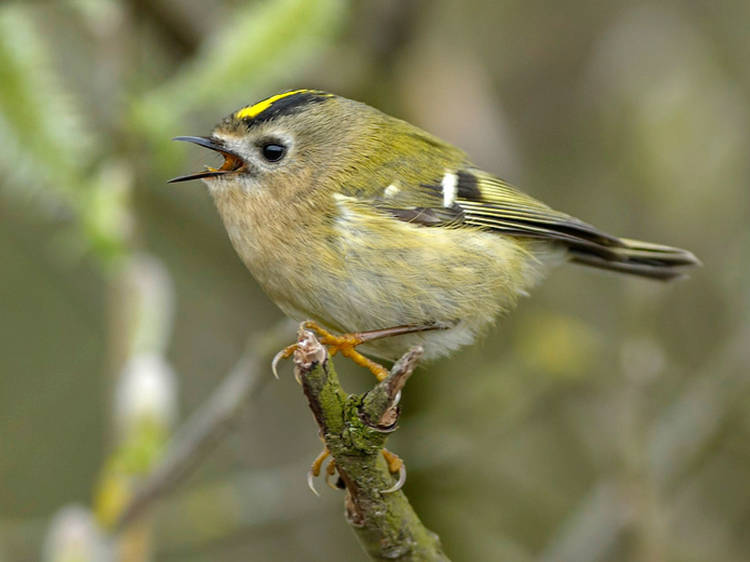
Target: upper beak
(212, 144)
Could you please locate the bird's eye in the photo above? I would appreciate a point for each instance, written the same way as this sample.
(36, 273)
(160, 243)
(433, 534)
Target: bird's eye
(273, 152)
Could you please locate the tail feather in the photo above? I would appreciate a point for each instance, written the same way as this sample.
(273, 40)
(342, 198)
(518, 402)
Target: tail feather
(490, 203)
(635, 257)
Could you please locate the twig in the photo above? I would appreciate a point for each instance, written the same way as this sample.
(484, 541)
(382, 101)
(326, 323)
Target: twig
(355, 429)
(205, 428)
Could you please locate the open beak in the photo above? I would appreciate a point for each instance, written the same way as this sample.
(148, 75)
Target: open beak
(232, 162)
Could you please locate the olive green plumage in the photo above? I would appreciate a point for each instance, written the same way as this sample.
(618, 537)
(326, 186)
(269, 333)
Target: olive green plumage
(361, 221)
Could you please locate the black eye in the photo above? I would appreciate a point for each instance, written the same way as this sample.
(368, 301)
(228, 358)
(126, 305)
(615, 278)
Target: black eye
(273, 152)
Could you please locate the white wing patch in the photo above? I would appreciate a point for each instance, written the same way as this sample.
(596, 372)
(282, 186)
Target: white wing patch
(392, 190)
(450, 188)
(343, 203)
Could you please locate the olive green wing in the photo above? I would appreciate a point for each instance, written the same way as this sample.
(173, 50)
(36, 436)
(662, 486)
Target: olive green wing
(489, 202)
(473, 198)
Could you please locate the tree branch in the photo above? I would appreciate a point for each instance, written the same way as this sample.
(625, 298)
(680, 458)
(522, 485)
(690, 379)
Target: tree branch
(354, 429)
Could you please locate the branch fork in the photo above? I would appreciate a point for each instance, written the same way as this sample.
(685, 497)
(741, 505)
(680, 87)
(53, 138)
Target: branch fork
(354, 429)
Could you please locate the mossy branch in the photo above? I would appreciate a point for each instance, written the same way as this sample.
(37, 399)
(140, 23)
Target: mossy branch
(355, 428)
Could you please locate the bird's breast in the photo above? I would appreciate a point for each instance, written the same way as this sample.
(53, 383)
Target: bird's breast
(283, 242)
(354, 269)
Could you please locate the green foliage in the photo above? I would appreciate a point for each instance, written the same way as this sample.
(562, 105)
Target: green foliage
(43, 134)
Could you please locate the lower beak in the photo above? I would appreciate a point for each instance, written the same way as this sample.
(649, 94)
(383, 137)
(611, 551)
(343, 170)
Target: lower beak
(197, 176)
(211, 144)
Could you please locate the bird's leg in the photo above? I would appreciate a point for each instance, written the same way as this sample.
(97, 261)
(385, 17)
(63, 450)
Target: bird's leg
(346, 344)
(316, 467)
(394, 462)
(384, 414)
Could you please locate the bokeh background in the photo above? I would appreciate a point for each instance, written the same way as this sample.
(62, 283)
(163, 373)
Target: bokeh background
(606, 420)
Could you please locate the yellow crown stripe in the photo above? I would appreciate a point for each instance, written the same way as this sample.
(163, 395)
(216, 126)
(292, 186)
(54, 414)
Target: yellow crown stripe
(255, 110)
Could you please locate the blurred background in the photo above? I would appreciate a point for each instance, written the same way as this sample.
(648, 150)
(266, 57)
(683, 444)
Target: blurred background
(606, 420)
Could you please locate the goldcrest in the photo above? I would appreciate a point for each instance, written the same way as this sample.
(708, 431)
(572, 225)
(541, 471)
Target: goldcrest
(361, 221)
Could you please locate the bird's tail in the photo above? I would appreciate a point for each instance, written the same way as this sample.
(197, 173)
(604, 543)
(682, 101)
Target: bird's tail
(502, 208)
(644, 259)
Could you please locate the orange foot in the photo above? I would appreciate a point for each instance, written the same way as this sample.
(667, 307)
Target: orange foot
(346, 344)
(394, 462)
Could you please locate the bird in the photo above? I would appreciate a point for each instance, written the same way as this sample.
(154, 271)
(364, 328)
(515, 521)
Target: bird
(363, 224)
(383, 238)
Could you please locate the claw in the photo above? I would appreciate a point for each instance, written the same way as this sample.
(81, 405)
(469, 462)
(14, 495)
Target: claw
(394, 463)
(399, 483)
(285, 353)
(330, 471)
(315, 470)
(310, 482)
(275, 363)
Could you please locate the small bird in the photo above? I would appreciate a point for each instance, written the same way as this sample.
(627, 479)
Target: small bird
(367, 225)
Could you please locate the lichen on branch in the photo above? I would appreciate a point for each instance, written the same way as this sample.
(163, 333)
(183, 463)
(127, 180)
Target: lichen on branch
(355, 428)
